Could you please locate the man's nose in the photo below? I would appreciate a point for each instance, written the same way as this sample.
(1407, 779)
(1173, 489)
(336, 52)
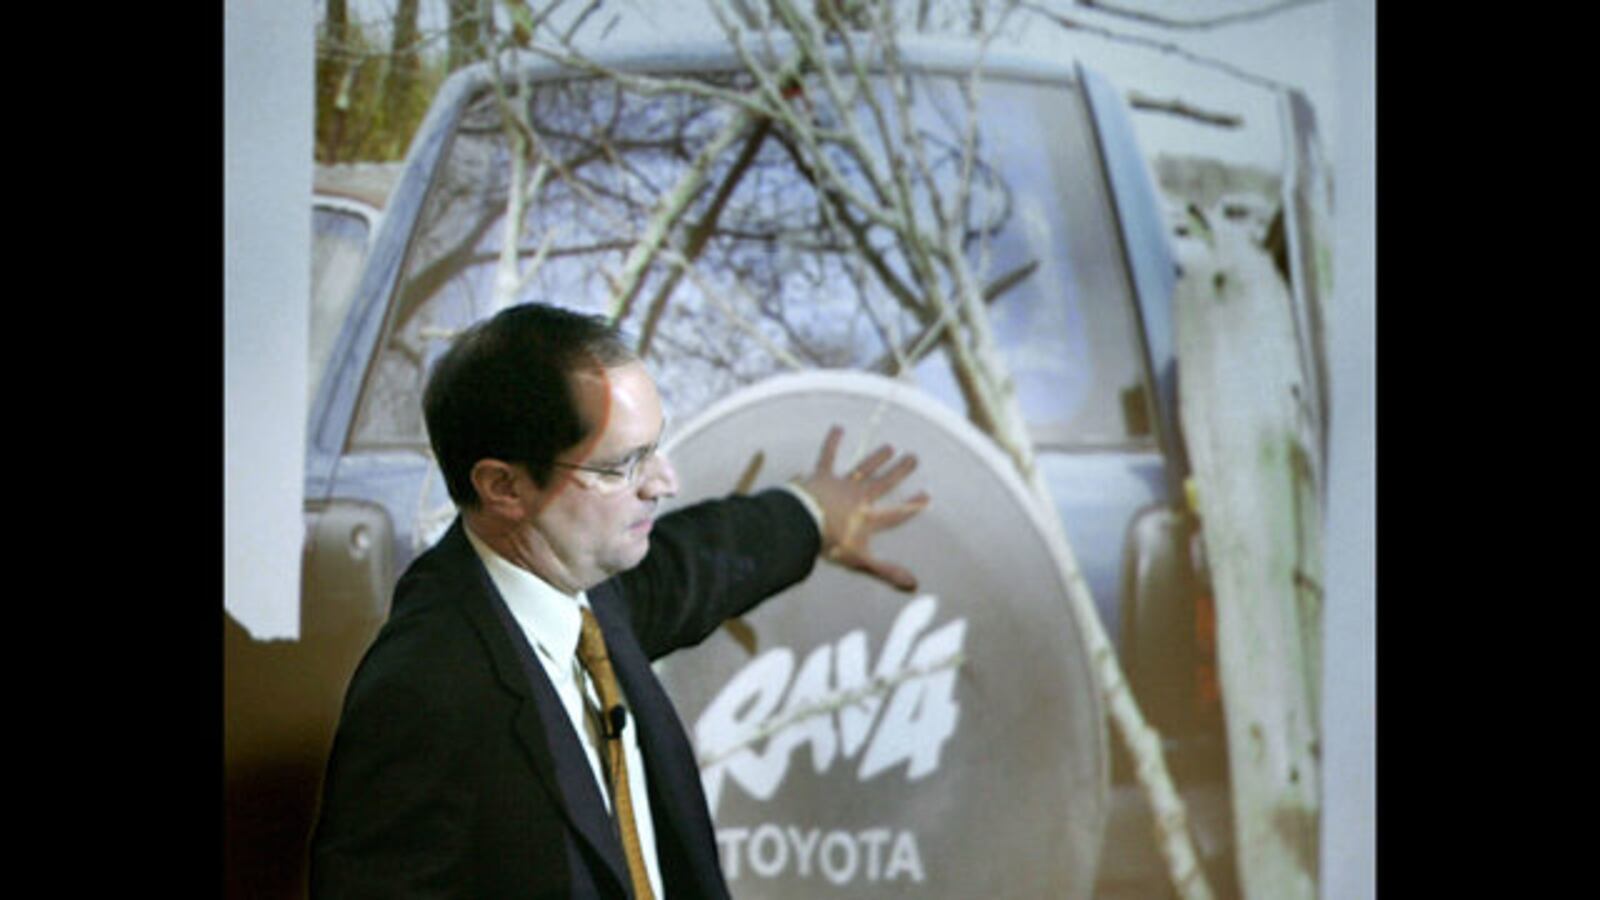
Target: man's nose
(661, 480)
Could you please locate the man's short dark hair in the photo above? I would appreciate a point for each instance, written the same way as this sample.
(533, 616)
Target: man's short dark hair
(503, 391)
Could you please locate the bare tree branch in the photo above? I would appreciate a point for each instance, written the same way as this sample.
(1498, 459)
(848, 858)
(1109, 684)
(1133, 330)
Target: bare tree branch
(701, 231)
(577, 22)
(1182, 109)
(1167, 47)
(836, 212)
(670, 209)
(1197, 24)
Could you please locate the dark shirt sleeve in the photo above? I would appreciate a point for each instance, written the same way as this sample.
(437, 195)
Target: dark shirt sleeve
(714, 560)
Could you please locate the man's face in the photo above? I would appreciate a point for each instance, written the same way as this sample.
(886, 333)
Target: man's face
(595, 524)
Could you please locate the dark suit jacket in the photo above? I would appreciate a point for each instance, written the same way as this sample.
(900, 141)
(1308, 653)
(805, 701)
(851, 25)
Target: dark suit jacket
(455, 772)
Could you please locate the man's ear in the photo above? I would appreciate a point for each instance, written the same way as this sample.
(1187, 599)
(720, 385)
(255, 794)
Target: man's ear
(500, 491)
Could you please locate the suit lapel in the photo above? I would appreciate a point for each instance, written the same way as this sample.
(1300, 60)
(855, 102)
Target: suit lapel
(541, 724)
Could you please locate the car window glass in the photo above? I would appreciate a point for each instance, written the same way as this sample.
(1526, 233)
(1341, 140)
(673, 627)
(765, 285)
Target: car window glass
(779, 281)
(338, 249)
(1060, 299)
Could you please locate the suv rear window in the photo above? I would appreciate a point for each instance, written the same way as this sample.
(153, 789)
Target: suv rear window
(785, 279)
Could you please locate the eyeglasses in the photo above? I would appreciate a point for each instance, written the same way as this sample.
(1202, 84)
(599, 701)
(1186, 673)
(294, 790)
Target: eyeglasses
(626, 475)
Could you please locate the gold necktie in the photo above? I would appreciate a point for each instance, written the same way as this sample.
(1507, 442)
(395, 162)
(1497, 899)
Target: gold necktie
(592, 653)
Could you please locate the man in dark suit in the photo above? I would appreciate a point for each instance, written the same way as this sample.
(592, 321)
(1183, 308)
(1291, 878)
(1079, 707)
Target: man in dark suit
(487, 748)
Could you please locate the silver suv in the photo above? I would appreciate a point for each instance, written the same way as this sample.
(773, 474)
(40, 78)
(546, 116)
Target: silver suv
(1073, 230)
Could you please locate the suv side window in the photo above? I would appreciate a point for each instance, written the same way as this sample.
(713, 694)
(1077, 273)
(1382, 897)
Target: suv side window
(341, 232)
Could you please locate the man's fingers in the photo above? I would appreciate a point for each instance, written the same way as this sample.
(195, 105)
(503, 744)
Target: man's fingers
(866, 467)
(891, 479)
(881, 519)
(896, 576)
(830, 447)
(851, 516)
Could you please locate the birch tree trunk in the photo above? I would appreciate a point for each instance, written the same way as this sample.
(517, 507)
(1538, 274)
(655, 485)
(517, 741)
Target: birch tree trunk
(466, 40)
(987, 366)
(1251, 442)
(404, 67)
(332, 93)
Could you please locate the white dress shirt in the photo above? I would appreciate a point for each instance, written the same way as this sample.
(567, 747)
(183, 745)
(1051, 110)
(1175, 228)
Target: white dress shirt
(551, 622)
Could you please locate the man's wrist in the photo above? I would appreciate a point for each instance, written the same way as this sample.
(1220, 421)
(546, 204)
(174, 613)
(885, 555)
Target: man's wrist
(806, 500)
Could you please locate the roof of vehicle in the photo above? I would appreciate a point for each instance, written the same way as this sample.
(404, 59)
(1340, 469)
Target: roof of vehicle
(952, 55)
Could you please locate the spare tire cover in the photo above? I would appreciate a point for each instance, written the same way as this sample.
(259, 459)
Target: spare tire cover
(944, 743)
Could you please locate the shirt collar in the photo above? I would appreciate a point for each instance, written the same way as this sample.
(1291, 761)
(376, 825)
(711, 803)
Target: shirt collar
(548, 617)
